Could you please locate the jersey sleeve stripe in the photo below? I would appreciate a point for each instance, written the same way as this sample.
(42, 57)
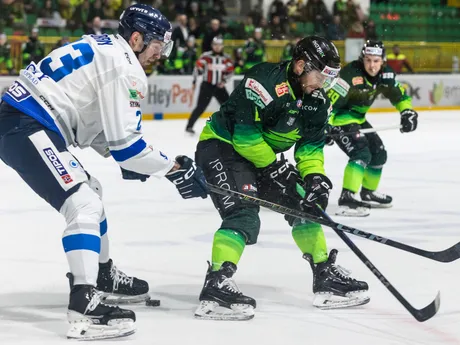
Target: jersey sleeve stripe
(123, 141)
(130, 151)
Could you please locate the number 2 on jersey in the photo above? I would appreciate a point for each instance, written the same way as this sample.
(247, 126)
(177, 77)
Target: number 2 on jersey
(73, 57)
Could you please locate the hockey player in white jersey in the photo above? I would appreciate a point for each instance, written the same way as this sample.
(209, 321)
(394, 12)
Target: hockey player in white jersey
(87, 94)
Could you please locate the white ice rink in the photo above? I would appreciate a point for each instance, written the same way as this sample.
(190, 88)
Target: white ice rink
(159, 237)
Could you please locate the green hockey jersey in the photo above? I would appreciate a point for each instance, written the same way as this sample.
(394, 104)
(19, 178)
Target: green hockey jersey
(355, 92)
(265, 115)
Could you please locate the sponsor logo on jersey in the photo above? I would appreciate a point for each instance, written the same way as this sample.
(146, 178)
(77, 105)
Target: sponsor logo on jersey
(53, 158)
(388, 75)
(309, 108)
(18, 92)
(282, 89)
(249, 188)
(132, 94)
(318, 94)
(102, 40)
(163, 155)
(252, 96)
(134, 104)
(128, 59)
(343, 84)
(74, 164)
(299, 103)
(293, 112)
(357, 81)
(46, 102)
(256, 87)
(291, 121)
(140, 94)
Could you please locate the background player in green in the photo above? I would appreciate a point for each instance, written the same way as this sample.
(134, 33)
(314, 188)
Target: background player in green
(275, 107)
(351, 97)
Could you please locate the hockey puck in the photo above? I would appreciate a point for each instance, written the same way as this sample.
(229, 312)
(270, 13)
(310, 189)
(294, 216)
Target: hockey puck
(152, 302)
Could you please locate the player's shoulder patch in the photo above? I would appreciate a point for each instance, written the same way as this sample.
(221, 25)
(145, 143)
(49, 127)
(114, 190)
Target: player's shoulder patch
(359, 80)
(341, 87)
(282, 89)
(257, 92)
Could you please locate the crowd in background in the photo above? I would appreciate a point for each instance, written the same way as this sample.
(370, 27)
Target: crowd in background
(192, 20)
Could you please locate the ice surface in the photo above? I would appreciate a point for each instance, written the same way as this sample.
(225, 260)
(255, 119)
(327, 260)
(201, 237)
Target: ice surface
(159, 237)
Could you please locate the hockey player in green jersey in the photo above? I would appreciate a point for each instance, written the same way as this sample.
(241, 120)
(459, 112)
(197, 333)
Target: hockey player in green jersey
(275, 107)
(359, 84)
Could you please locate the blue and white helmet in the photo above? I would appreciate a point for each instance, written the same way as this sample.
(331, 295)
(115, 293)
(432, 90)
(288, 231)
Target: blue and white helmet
(149, 22)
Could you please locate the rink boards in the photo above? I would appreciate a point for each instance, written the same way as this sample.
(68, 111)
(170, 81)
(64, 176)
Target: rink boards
(172, 97)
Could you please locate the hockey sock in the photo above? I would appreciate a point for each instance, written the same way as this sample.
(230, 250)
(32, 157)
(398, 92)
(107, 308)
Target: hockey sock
(353, 176)
(104, 255)
(228, 245)
(372, 178)
(310, 239)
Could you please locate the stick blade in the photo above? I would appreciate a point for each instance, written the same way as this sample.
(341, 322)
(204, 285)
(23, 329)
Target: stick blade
(448, 255)
(429, 311)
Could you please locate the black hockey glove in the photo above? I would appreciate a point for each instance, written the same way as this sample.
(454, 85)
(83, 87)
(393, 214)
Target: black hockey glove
(189, 179)
(131, 175)
(408, 120)
(277, 182)
(317, 189)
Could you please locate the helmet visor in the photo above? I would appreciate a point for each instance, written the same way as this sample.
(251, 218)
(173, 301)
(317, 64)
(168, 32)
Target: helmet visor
(326, 77)
(166, 46)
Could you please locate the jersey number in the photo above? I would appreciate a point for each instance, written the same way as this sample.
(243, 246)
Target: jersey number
(73, 57)
(139, 124)
(333, 96)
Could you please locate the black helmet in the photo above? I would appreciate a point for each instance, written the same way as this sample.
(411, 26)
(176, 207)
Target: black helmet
(372, 47)
(319, 54)
(148, 21)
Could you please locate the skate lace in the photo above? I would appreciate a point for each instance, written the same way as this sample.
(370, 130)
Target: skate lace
(120, 277)
(378, 195)
(94, 301)
(341, 272)
(229, 285)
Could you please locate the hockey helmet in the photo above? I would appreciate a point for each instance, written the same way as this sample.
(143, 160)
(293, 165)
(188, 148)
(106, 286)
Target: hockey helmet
(149, 22)
(321, 55)
(375, 48)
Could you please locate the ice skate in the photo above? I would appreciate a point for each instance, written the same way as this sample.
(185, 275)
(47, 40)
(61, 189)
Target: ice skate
(90, 319)
(333, 287)
(375, 199)
(349, 206)
(117, 287)
(221, 299)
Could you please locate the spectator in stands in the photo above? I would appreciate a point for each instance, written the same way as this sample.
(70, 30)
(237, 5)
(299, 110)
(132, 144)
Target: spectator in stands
(278, 31)
(112, 9)
(217, 10)
(254, 50)
(180, 6)
(193, 28)
(48, 10)
(194, 11)
(33, 50)
(190, 56)
(66, 9)
(96, 27)
(335, 30)
(17, 14)
(95, 9)
(31, 6)
(339, 8)
(352, 15)
(247, 28)
(316, 12)
(62, 42)
(214, 31)
(181, 32)
(6, 63)
(356, 30)
(371, 30)
(238, 60)
(289, 49)
(293, 11)
(257, 14)
(397, 61)
(278, 8)
(80, 18)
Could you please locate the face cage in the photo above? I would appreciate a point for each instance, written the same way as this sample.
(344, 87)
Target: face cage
(331, 74)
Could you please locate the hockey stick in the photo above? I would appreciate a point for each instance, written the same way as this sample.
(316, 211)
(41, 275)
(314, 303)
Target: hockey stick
(419, 314)
(447, 255)
(365, 131)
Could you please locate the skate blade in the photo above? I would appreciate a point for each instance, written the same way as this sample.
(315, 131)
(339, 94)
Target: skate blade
(326, 301)
(373, 204)
(346, 211)
(115, 299)
(210, 310)
(83, 328)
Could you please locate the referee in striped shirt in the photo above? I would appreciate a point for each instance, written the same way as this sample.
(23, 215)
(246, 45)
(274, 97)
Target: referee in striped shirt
(216, 68)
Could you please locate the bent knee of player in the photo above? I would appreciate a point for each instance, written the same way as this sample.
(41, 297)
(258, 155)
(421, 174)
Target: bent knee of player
(83, 206)
(244, 220)
(379, 158)
(363, 156)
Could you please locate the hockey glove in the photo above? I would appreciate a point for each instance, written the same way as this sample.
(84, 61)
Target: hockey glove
(277, 181)
(329, 140)
(408, 120)
(131, 175)
(188, 179)
(317, 189)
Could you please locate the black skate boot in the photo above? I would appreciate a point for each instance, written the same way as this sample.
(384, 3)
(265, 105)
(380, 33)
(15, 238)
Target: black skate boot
(118, 287)
(349, 206)
(90, 319)
(333, 287)
(375, 199)
(221, 299)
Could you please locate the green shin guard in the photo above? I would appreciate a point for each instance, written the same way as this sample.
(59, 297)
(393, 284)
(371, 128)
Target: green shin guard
(310, 239)
(353, 176)
(372, 178)
(228, 245)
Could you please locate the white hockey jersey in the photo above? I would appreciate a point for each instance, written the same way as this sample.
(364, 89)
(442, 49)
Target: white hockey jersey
(89, 92)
